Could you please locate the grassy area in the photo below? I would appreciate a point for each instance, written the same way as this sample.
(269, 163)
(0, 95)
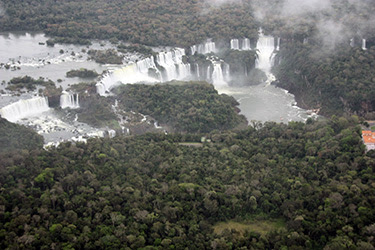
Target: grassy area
(191, 144)
(373, 128)
(259, 226)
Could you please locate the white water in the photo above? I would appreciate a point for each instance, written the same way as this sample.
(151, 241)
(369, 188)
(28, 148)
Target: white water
(278, 44)
(204, 48)
(266, 47)
(364, 44)
(243, 44)
(132, 73)
(234, 44)
(69, 100)
(246, 44)
(111, 133)
(217, 75)
(170, 61)
(173, 65)
(25, 108)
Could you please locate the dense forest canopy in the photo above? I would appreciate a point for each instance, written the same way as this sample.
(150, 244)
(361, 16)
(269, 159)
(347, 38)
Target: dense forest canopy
(154, 23)
(14, 137)
(169, 191)
(341, 82)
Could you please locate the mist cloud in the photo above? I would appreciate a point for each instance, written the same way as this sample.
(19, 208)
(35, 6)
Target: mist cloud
(332, 21)
(302, 7)
(2, 11)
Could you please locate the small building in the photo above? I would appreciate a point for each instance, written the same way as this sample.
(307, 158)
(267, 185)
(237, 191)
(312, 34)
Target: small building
(369, 139)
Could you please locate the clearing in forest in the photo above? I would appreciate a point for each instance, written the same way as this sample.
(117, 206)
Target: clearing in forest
(258, 226)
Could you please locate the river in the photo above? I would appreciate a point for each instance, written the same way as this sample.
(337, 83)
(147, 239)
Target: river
(28, 55)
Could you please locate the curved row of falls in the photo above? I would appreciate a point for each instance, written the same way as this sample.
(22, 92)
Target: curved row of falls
(170, 65)
(242, 44)
(24, 108)
(69, 100)
(35, 106)
(165, 66)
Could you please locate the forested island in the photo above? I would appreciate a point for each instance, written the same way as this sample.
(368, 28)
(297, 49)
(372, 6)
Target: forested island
(190, 172)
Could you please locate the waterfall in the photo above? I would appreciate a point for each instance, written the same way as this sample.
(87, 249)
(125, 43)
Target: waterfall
(69, 100)
(364, 44)
(217, 75)
(193, 49)
(226, 74)
(173, 65)
(278, 44)
(24, 108)
(208, 47)
(246, 44)
(243, 44)
(204, 48)
(132, 73)
(234, 44)
(167, 61)
(208, 73)
(111, 133)
(305, 40)
(144, 65)
(197, 71)
(265, 47)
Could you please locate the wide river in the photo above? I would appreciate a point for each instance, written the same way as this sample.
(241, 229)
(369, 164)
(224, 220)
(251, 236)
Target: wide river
(28, 55)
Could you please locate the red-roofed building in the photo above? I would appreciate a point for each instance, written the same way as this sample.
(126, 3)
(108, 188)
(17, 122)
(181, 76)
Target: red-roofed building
(369, 139)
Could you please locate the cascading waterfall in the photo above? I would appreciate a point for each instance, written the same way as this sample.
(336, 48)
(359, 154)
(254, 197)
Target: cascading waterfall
(234, 44)
(226, 73)
(132, 73)
(25, 108)
(170, 61)
(111, 133)
(278, 44)
(167, 66)
(217, 75)
(144, 65)
(173, 65)
(205, 48)
(197, 70)
(364, 44)
(246, 44)
(166, 60)
(208, 73)
(193, 49)
(69, 100)
(265, 47)
(243, 44)
(305, 40)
